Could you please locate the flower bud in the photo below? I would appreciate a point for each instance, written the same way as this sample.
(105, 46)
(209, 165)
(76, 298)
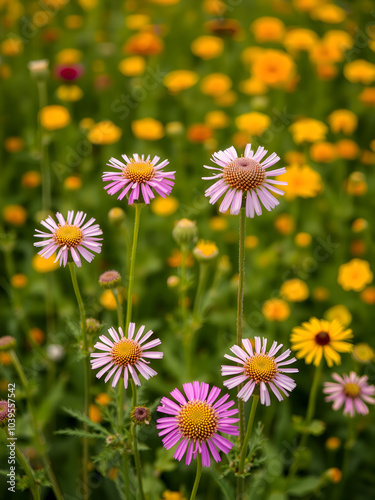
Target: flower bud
(140, 415)
(6, 411)
(92, 325)
(110, 279)
(7, 343)
(39, 69)
(205, 251)
(173, 281)
(185, 232)
(116, 216)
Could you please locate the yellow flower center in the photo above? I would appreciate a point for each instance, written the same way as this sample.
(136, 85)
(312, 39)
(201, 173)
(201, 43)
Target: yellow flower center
(197, 420)
(126, 352)
(139, 171)
(322, 338)
(207, 248)
(261, 368)
(68, 235)
(244, 173)
(351, 390)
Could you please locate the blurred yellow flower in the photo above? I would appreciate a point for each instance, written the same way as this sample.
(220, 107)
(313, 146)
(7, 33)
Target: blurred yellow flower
(333, 474)
(285, 224)
(320, 293)
(339, 39)
(31, 179)
(144, 44)
(137, 21)
(302, 181)
(355, 275)
(104, 132)
(303, 239)
(339, 312)
(199, 132)
(295, 157)
(217, 119)
(216, 84)
(276, 310)
(180, 79)
(73, 182)
(343, 120)
(108, 300)
(205, 250)
(324, 152)
(323, 53)
(132, 66)
(254, 123)
(363, 353)
(164, 206)
(54, 117)
(103, 399)
(42, 265)
(309, 130)
(347, 149)
(356, 184)
(359, 225)
(73, 22)
(294, 290)
(173, 495)
(275, 68)
(253, 86)
(333, 443)
(68, 56)
(360, 71)
(70, 93)
(368, 295)
(18, 280)
(148, 129)
(218, 223)
(268, 29)
(298, 39)
(11, 47)
(251, 241)
(207, 47)
(15, 214)
(329, 13)
(14, 144)
(95, 413)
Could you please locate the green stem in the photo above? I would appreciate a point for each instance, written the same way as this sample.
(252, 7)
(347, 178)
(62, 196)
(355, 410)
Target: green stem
(138, 207)
(86, 372)
(120, 313)
(338, 494)
(197, 477)
(184, 252)
(34, 486)
(248, 434)
(309, 416)
(135, 445)
(39, 437)
(203, 277)
(43, 148)
(241, 280)
(120, 323)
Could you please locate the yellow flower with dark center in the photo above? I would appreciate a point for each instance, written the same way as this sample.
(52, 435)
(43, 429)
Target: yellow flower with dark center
(216, 84)
(303, 182)
(180, 79)
(360, 71)
(254, 123)
(276, 310)
(294, 290)
(268, 29)
(355, 275)
(104, 132)
(275, 68)
(54, 117)
(318, 338)
(308, 130)
(148, 129)
(343, 120)
(207, 47)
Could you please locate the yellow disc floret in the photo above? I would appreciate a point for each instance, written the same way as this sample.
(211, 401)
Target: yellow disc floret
(126, 352)
(244, 173)
(261, 368)
(139, 171)
(197, 420)
(351, 390)
(68, 235)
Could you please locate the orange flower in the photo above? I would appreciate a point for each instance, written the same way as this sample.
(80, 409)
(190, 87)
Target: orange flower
(302, 181)
(14, 144)
(276, 310)
(300, 39)
(325, 53)
(216, 84)
(180, 79)
(37, 335)
(356, 184)
(347, 149)
(148, 129)
(104, 132)
(18, 280)
(355, 275)
(199, 132)
(324, 152)
(367, 96)
(207, 47)
(15, 214)
(54, 117)
(285, 224)
(31, 179)
(144, 44)
(343, 120)
(360, 71)
(275, 68)
(253, 123)
(268, 29)
(175, 259)
(331, 14)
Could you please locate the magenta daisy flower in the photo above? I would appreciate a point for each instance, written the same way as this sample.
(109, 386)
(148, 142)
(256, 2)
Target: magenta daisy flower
(352, 391)
(260, 369)
(244, 180)
(69, 236)
(139, 175)
(123, 355)
(196, 421)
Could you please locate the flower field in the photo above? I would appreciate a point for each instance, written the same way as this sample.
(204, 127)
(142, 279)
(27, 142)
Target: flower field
(187, 249)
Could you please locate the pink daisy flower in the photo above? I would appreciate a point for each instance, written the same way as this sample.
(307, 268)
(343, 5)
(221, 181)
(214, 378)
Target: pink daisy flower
(195, 422)
(245, 181)
(351, 391)
(69, 236)
(260, 370)
(139, 175)
(123, 355)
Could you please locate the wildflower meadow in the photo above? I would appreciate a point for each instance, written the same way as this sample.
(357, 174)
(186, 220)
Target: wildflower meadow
(187, 249)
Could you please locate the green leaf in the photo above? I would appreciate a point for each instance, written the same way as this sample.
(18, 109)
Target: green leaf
(316, 427)
(86, 420)
(303, 486)
(51, 401)
(81, 433)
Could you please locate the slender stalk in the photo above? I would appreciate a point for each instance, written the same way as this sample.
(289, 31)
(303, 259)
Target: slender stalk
(248, 434)
(184, 251)
(309, 416)
(34, 486)
(43, 148)
(197, 477)
(135, 445)
(350, 440)
(204, 268)
(39, 437)
(86, 374)
(138, 207)
(241, 280)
